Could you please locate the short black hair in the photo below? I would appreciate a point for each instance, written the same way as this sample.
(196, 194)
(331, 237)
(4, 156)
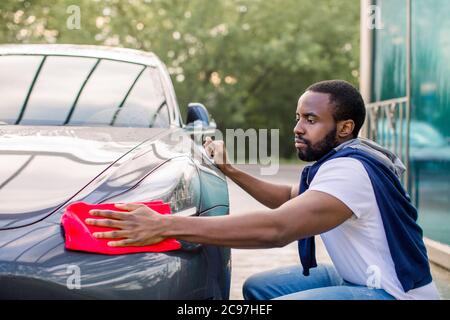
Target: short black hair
(347, 101)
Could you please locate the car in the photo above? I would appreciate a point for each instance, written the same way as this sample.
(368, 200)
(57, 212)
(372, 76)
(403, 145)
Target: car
(100, 125)
(428, 148)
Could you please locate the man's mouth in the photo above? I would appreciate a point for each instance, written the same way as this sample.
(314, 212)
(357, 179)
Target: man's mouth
(300, 143)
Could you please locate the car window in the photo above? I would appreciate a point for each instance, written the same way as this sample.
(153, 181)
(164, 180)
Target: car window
(54, 93)
(161, 118)
(144, 102)
(80, 91)
(104, 92)
(16, 77)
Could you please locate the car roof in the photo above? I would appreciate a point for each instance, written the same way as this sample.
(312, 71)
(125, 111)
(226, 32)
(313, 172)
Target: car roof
(91, 51)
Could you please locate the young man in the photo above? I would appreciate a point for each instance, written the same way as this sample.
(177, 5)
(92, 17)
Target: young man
(351, 196)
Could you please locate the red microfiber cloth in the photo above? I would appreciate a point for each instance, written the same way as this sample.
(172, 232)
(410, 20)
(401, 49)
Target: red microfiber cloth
(78, 234)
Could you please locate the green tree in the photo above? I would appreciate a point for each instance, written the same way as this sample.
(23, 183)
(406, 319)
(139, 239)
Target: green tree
(247, 60)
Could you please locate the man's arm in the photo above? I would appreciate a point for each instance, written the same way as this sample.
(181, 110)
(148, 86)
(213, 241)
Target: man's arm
(311, 213)
(269, 194)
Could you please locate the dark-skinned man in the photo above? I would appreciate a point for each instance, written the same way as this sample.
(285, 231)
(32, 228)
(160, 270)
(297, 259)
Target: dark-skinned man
(351, 196)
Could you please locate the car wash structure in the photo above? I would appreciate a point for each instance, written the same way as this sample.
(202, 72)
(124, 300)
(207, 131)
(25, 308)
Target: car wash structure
(405, 82)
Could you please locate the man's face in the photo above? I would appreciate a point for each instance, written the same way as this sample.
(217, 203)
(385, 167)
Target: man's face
(315, 129)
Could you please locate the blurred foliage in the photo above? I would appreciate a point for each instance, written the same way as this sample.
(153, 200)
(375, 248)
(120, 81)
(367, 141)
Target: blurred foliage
(248, 61)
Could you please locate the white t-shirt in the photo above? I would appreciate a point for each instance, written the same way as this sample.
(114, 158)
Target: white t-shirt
(358, 247)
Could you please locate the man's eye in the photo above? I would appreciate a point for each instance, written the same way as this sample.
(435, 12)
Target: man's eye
(311, 121)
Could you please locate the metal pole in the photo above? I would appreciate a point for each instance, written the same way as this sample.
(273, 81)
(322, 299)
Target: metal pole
(365, 59)
(408, 88)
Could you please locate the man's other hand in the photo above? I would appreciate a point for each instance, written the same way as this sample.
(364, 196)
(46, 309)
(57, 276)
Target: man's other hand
(216, 150)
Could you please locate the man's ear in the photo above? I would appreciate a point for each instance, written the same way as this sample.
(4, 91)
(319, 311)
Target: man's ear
(345, 128)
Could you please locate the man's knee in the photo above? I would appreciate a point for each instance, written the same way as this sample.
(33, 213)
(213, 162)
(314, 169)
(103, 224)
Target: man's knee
(253, 288)
(274, 283)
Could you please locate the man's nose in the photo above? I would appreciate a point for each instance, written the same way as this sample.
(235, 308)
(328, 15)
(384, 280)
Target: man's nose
(298, 129)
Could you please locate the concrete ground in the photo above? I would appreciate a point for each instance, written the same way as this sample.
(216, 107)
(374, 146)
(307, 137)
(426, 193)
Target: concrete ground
(248, 262)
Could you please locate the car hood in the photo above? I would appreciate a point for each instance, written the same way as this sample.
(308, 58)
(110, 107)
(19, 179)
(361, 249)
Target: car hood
(41, 168)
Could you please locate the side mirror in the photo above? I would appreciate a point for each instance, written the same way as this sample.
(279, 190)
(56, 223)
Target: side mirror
(198, 119)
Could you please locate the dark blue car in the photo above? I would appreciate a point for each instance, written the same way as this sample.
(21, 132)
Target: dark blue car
(100, 125)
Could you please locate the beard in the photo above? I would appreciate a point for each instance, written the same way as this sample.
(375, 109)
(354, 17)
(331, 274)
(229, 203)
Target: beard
(315, 152)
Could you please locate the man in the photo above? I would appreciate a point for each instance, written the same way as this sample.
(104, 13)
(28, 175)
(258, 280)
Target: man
(351, 196)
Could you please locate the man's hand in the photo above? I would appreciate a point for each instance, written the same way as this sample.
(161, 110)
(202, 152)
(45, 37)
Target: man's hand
(217, 151)
(269, 194)
(140, 226)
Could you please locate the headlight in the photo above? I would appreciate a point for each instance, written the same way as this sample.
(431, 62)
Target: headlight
(176, 182)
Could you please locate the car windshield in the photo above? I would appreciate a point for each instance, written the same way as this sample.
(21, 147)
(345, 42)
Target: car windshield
(80, 91)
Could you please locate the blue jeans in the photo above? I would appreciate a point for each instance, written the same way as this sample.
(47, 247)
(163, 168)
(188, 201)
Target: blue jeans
(323, 283)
